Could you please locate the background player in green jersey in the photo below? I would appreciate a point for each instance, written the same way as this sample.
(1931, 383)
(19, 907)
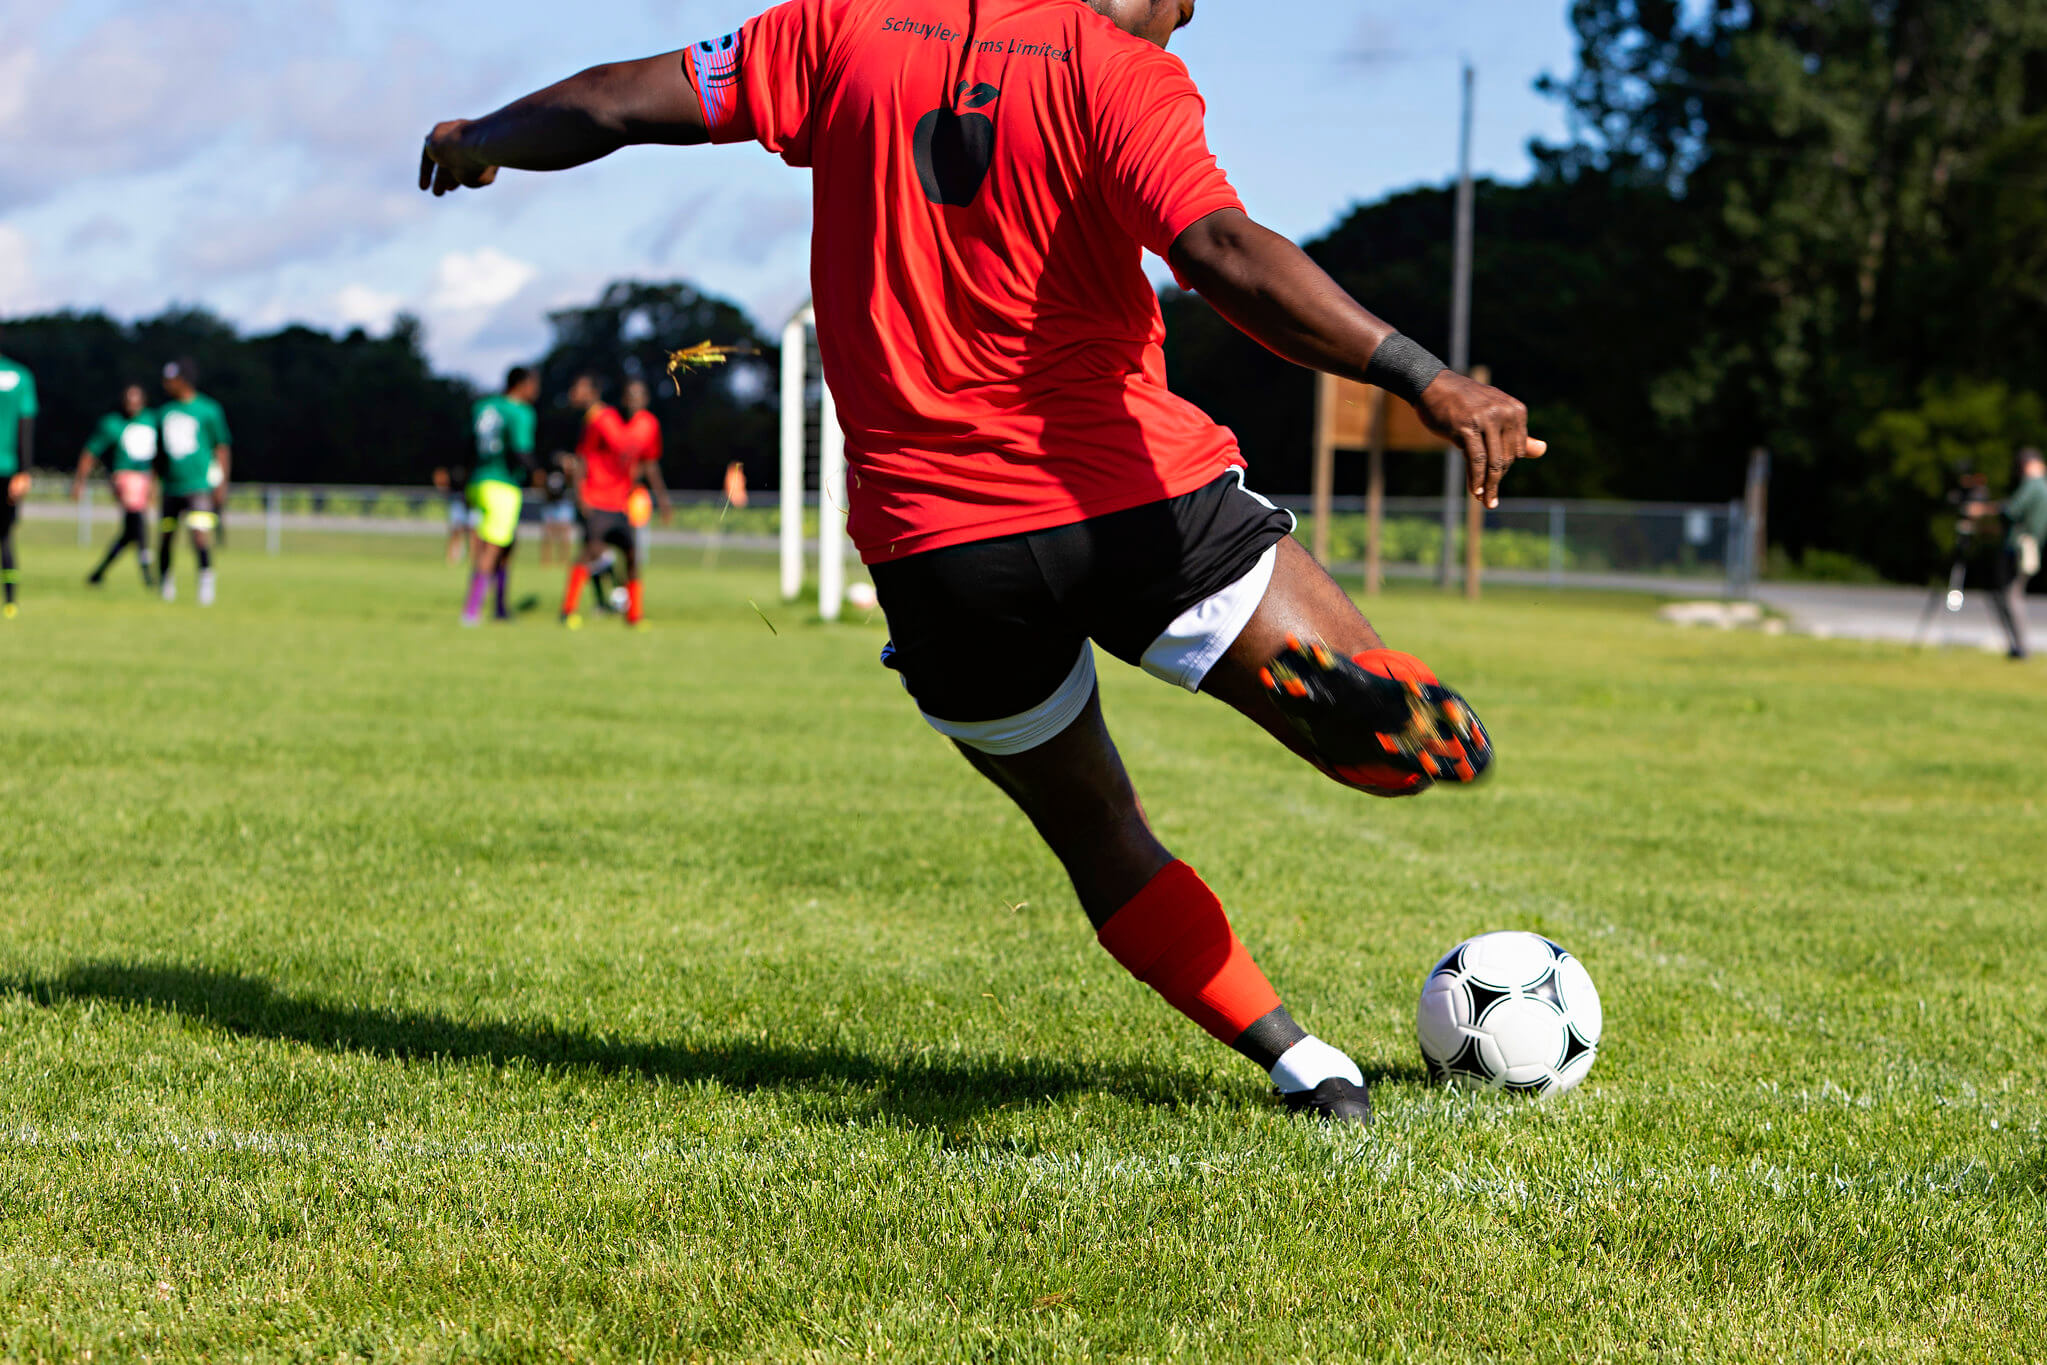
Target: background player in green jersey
(194, 440)
(504, 425)
(17, 452)
(126, 442)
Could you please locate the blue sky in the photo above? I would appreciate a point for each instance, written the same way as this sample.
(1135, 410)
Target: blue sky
(257, 157)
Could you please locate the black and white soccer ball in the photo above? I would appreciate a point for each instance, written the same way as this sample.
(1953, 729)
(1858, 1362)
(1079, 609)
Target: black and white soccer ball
(1509, 1011)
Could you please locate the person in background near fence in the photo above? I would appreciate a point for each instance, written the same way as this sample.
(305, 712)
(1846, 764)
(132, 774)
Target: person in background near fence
(126, 443)
(2025, 520)
(504, 425)
(17, 456)
(197, 454)
(609, 468)
(453, 484)
(558, 509)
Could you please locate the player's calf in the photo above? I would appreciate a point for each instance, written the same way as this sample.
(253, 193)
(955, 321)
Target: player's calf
(1175, 937)
(1380, 722)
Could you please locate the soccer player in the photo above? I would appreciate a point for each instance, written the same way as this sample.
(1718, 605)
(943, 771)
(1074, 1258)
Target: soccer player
(504, 425)
(643, 437)
(17, 456)
(126, 443)
(987, 174)
(197, 454)
(611, 462)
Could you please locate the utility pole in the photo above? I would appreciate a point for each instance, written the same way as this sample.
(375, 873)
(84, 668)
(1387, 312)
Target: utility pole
(1460, 328)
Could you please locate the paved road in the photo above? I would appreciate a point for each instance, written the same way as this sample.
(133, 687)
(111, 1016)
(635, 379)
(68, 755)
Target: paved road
(1891, 614)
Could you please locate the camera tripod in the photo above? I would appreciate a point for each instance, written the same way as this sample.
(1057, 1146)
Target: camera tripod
(1953, 595)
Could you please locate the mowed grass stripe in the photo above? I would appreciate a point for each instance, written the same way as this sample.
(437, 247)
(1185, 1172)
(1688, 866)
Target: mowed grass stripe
(370, 988)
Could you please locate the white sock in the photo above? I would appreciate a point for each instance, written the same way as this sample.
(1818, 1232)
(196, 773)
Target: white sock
(1310, 1062)
(170, 588)
(206, 588)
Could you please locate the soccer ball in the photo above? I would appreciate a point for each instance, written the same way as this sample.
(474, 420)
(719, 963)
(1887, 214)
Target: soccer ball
(620, 599)
(1509, 1011)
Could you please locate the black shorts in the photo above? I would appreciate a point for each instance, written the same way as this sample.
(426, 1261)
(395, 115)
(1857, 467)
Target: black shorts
(176, 505)
(989, 631)
(612, 528)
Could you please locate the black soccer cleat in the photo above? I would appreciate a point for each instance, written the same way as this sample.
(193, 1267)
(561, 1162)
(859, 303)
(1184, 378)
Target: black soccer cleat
(1354, 718)
(1336, 1100)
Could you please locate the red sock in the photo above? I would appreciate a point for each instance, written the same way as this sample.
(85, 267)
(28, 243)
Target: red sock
(578, 576)
(632, 603)
(1176, 939)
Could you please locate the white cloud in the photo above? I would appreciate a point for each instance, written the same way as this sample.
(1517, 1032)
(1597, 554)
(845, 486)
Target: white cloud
(476, 281)
(358, 305)
(16, 272)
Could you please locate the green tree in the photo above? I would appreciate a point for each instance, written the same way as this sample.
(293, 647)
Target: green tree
(1850, 171)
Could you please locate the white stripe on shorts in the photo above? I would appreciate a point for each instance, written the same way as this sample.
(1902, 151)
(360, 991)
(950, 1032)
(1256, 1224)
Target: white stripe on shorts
(1196, 643)
(1040, 725)
(1193, 645)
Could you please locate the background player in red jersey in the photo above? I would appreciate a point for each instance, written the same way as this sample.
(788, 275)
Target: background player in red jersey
(987, 174)
(642, 434)
(611, 462)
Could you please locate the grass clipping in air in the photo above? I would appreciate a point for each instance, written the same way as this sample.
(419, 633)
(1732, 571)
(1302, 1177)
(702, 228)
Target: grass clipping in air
(702, 356)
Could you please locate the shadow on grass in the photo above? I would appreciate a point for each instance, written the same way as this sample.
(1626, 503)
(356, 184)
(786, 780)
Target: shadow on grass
(859, 1085)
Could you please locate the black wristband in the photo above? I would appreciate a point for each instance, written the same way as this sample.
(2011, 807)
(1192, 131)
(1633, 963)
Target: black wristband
(1403, 367)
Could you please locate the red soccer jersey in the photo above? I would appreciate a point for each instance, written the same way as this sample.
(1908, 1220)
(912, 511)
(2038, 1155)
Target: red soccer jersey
(983, 202)
(610, 460)
(642, 433)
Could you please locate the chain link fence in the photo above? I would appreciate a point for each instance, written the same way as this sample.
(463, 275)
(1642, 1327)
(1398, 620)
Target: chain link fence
(1675, 547)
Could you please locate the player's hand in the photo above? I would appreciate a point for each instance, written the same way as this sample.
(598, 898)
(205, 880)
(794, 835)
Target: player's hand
(447, 164)
(18, 486)
(667, 514)
(1490, 427)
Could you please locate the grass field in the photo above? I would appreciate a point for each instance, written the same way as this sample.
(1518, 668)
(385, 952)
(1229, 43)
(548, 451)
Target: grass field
(370, 989)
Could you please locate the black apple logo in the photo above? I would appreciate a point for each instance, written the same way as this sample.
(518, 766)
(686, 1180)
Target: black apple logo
(956, 148)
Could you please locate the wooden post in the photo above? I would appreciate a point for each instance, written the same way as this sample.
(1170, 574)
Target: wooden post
(1757, 499)
(1325, 464)
(1375, 501)
(1474, 521)
(1474, 547)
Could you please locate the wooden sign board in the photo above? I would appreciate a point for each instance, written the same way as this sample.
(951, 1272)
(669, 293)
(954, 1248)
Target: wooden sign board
(1353, 407)
(1354, 416)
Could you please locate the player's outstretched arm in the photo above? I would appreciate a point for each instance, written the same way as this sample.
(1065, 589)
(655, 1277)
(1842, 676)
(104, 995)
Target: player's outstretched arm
(1269, 289)
(590, 115)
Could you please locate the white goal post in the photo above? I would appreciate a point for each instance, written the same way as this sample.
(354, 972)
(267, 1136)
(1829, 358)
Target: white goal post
(831, 509)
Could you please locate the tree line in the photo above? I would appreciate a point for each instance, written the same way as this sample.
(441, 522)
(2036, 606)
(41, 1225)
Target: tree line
(308, 406)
